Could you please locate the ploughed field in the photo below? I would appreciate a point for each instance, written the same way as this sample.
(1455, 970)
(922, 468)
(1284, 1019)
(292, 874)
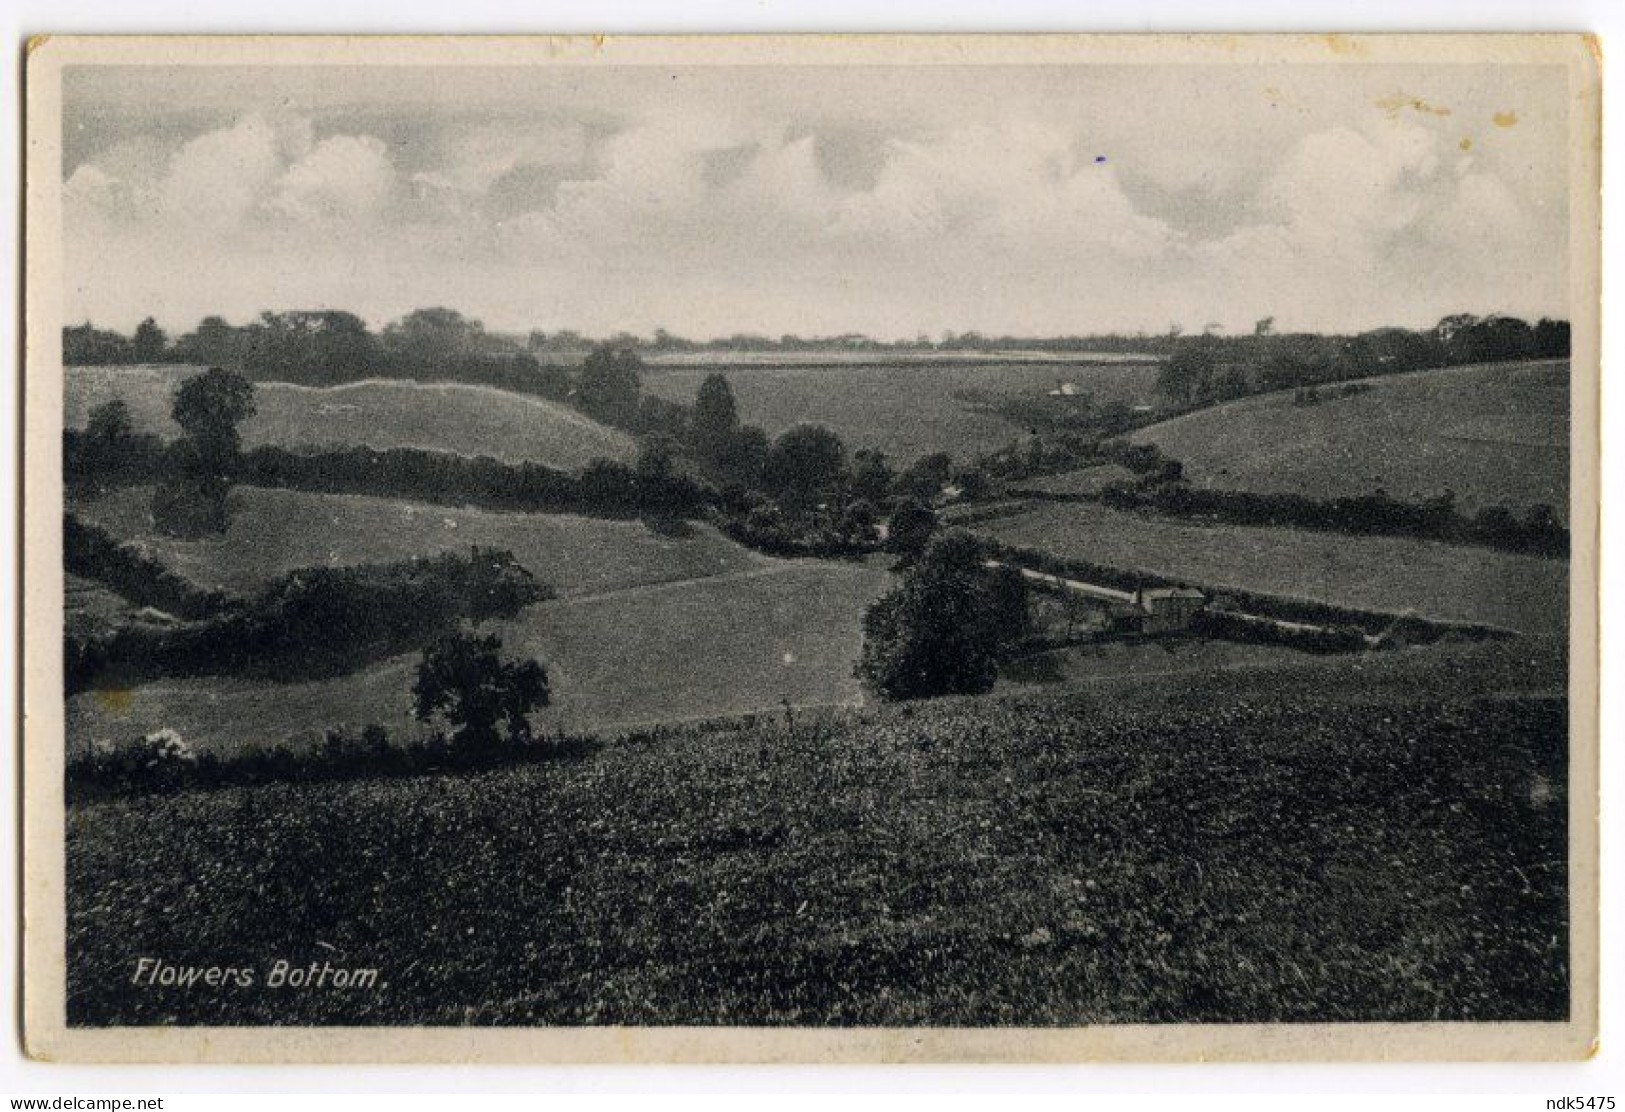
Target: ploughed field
(1380, 839)
(379, 413)
(906, 408)
(1492, 433)
(649, 625)
(1396, 574)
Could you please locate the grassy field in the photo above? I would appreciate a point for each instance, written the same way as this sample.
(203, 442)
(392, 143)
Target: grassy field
(1308, 842)
(275, 531)
(719, 359)
(470, 420)
(724, 644)
(647, 626)
(903, 409)
(1453, 582)
(1085, 480)
(92, 609)
(1492, 433)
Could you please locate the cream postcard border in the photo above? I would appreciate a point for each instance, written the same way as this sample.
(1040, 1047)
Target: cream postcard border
(41, 753)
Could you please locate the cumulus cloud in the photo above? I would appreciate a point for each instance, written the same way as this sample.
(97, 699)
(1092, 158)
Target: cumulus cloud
(344, 178)
(995, 212)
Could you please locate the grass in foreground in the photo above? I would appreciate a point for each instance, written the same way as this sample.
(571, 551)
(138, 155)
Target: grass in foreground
(1313, 842)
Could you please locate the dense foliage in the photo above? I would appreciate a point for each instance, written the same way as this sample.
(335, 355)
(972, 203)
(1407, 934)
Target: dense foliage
(943, 630)
(1537, 532)
(314, 622)
(486, 700)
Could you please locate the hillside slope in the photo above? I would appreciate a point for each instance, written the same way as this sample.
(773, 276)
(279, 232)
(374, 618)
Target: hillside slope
(1493, 433)
(380, 413)
(1313, 842)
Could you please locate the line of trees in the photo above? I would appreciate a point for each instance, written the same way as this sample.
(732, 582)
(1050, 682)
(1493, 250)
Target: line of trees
(90, 552)
(1211, 367)
(313, 622)
(1537, 532)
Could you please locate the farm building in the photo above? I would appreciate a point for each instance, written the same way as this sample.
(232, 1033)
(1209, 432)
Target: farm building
(1168, 609)
(1153, 610)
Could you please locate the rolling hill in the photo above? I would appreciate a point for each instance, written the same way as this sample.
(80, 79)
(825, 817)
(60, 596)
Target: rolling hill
(1492, 433)
(1396, 574)
(648, 625)
(904, 408)
(380, 413)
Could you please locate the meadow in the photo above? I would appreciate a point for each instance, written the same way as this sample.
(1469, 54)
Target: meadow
(276, 531)
(1492, 433)
(1299, 843)
(786, 632)
(650, 624)
(1395, 574)
(445, 417)
(903, 408)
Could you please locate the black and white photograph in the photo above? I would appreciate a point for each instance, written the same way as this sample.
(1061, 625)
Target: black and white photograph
(746, 549)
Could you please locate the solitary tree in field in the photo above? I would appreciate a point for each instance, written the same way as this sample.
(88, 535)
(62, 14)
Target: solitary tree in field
(192, 498)
(209, 407)
(485, 699)
(943, 630)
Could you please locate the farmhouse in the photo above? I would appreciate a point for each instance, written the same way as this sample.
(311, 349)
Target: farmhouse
(1168, 609)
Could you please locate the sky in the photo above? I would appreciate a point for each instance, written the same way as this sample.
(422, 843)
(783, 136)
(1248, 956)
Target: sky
(1023, 200)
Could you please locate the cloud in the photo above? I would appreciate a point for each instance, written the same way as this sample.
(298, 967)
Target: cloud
(220, 177)
(1089, 201)
(345, 178)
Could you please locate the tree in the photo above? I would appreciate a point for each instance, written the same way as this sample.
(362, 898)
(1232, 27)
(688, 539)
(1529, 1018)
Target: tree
(939, 632)
(859, 524)
(485, 699)
(656, 461)
(436, 335)
(108, 448)
(1188, 372)
(805, 462)
(1551, 338)
(150, 344)
(212, 342)
(109, 424)
(192, 499)
(871, 476)
(910, 528)
(925, 477)
(609, 384)
(715, 420)
(745, 456)
(209, 407)
(1008, 605)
